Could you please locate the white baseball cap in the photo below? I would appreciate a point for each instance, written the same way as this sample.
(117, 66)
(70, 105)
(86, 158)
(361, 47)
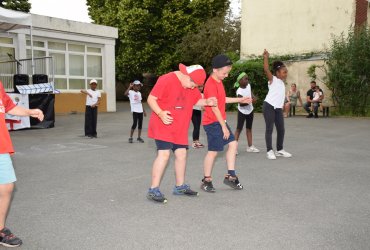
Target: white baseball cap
(137, 82)
(93, 81)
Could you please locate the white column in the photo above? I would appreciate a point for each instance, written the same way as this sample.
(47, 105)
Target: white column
(109, 79)
(21, 46)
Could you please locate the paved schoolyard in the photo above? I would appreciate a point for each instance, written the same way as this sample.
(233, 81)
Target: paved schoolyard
(78, 193)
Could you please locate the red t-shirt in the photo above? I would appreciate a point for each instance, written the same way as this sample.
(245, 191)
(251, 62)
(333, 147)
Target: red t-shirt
(6, 104)
(216, 89)
(173, 97)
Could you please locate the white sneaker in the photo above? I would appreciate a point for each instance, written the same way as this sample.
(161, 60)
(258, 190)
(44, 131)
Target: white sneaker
(271, 155)
(283, 153)
(252, 149)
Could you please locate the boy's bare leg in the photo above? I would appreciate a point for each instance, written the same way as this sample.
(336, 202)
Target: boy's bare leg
(180, 165)
(209, 161)
(231, 155)
(132, 133)
(249, 137)
(6, 191)
(138, 133)
(159, 165)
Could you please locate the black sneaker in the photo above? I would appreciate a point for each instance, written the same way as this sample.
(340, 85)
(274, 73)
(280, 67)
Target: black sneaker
(233, 182)
(184, 189)
(310, 115)
(139, 139)
(316, 115)
(8, 239)
(130, 140)
(207, 186)
(155, 195)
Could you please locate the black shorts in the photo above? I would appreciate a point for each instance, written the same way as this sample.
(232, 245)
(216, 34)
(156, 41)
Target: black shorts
(247, 118)
(165, 145)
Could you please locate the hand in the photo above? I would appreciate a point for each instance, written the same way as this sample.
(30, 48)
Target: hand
(266, 54)
(226, 132)
(131, 85)
(37, 113)
(247, 100)
(212, 101)
(166, 117)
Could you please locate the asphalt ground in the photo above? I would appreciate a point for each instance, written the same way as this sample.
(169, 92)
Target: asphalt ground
(79, 193)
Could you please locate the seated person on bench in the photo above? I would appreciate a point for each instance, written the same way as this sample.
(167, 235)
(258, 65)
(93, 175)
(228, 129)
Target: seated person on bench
(292, 97)
(315, 102)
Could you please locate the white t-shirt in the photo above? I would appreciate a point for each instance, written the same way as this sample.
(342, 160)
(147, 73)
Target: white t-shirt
(135, 101)
(246, 92)
(276, 95)
(316, 96)
(94, 99)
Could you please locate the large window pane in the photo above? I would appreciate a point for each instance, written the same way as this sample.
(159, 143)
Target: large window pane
(59, 63)
(60, 83)
(77, 84)
(6, 40)
(36, 53)
(56, 46)
(36, 43)
(94, 66)
(77, 48)
(76, 65)
(5, 52)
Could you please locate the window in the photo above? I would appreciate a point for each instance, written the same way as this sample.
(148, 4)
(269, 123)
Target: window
(94, 66)
(76, 65)
(56, 46)
(76, 48)
(77, 83)
(59, 63)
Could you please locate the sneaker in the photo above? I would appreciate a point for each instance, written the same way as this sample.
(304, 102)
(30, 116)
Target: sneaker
(310, 115)
(155, 195)
(207, 186)
(200, 145)
(197, 144)
(283, 153)
(130, 140)
(233, 182)
(139, 139)
(252, 149)
(271, 155)
(184, 189)
(8, 239)
(316, 115)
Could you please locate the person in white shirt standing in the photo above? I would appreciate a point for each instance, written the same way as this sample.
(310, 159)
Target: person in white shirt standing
(137, 110)
(273, 106)
(245, 111)
(93, 97)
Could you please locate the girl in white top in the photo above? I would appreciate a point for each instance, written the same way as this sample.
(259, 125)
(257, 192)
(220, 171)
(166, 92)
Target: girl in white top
(93, 97)
(273, 106)
(137, 110)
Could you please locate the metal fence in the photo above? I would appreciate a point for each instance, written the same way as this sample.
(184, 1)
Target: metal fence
(41, 65)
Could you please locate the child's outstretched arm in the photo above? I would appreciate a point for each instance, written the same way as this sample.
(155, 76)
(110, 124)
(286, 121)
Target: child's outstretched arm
(129, 88)
(266, 65)
(83, 91)
(20, 111)
(164, 115)
(211, 102)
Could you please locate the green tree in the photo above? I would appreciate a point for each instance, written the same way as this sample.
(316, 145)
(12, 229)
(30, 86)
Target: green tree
(20, 5)
(348, 71)
(150, 30)
(217, 35)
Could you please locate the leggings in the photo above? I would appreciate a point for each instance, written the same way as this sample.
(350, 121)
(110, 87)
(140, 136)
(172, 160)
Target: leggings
(272, 116)
(196, 118)
(137, 118)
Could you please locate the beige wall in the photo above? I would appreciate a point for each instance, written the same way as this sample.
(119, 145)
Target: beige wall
(75, 102)
(292, 26)
(297, 73)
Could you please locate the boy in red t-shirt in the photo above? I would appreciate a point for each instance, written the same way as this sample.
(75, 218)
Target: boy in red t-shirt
(172, 100)
(7, 175)
(218, 131)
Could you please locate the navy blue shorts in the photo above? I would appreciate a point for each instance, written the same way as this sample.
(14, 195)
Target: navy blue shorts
(215, 136)
(165, 145)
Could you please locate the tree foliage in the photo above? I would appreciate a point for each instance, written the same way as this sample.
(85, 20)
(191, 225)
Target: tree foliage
(150, 30)
(20, 5)
(348, 73)
(217, 35)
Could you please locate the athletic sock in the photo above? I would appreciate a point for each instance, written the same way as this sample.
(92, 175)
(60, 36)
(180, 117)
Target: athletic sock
(231, 172)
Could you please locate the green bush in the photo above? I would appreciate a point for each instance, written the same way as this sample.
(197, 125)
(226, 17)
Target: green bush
(257, 79)
(348, 73)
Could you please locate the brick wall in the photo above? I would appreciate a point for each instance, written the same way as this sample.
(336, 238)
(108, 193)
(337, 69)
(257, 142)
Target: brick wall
(361, 12)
